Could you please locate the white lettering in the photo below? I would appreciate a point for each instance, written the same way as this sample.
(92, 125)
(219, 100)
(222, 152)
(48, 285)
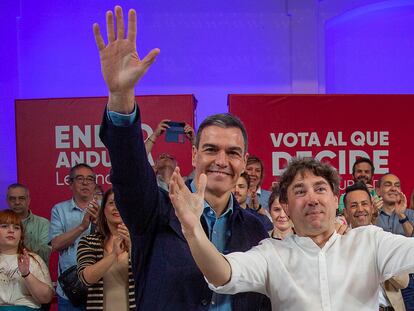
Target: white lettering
(60, 136)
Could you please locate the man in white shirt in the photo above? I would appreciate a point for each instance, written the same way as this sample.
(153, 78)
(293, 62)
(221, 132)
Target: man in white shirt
(316, 269)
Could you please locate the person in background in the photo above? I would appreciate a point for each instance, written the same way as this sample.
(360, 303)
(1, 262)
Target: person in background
(282, 226)
(396, 218)
(70, 220)
(363, 170)
(36, 228)
(241, 192)
(104, 264)
(25, 282)
(259, 198)
(358, 212)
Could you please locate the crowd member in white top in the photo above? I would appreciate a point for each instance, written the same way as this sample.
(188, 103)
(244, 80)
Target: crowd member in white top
(24, 278)
(305, 271)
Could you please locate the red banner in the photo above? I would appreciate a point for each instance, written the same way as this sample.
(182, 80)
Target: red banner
(52, 135)
(333, 128)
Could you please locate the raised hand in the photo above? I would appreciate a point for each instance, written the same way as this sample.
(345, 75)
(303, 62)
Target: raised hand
(92, 210)
(161, 128)
(189, 133)
(121, 66)
(23, 263)
(188, 206)
(401, 205)
(124, 234)
(117, 248)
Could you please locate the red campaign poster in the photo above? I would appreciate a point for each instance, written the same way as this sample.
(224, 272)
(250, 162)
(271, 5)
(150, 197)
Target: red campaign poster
(52, 135)
(333, 128)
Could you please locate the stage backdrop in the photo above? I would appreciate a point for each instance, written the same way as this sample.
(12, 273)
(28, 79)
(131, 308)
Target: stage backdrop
(55, 134)
(334, 128)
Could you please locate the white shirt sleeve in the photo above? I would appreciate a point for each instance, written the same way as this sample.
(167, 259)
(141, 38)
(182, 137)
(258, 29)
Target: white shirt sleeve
(395, 254)
(248, 271)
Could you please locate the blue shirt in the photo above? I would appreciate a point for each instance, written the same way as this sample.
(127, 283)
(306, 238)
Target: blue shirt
(390, 223)
(218, 234)
(66, 216)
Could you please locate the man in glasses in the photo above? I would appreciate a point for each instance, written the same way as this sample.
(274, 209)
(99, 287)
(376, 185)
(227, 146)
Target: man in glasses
(71, 220)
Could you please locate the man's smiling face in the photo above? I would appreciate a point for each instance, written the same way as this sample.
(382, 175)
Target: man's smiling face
(221, 156)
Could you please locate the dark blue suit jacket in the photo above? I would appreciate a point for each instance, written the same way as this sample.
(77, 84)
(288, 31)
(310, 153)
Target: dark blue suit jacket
(165, 273)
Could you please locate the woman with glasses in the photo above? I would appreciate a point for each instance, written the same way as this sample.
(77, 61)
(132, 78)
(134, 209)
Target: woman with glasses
(25, 281)
(104, 263)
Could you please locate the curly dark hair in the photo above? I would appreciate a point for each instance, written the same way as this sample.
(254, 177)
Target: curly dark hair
(303, 165)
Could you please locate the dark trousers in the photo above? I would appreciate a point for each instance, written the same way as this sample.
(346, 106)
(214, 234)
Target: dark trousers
(408, 294)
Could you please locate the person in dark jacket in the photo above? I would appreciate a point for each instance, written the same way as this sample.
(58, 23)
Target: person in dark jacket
(166, 276)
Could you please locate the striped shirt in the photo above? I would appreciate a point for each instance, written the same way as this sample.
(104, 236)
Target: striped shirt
(90, 251)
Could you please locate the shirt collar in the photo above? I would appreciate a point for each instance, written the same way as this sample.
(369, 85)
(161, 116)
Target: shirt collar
(74, 205)
(207, 206)
(29, 216)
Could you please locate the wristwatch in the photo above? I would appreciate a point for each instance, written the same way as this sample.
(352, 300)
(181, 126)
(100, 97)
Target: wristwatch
(401, 221)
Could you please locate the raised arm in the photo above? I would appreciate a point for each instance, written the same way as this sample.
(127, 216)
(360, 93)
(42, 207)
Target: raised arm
(133, 179)
(188, 208)
(121, 66)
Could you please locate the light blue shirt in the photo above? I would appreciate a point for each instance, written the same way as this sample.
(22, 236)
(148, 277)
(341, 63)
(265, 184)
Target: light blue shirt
(218, 233)
(66, 216)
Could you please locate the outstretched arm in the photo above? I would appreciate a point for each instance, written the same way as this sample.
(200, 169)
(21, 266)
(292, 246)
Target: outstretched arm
(121, 66)
(189, 208)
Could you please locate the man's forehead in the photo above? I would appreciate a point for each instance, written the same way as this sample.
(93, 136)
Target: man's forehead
(16, 191)
(357, 196)
(255, 165)
(212, 131)
(363, 166)
(84, 171)
(390, 178)
(307, 177)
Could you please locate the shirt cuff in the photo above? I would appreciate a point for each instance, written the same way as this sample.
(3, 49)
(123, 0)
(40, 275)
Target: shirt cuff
(121, 119)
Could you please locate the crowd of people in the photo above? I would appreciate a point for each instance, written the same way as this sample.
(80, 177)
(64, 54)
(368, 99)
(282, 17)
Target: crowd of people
(215, 240)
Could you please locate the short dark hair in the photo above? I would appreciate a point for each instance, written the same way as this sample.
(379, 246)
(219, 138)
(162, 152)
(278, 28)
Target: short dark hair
(302, 165)
(363, 160)
(77, 166)
(246, 177)
(359, 185)
(223, 120)
(274, 195)
(18, 185)
(254, 159)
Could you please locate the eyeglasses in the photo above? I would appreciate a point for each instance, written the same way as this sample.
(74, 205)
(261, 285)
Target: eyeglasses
(87, 180)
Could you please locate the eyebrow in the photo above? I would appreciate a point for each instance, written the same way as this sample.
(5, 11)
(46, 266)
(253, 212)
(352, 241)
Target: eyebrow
(208, 145)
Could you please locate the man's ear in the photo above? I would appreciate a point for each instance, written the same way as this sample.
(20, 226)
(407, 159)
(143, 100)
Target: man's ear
(194, 155)
(245, 162)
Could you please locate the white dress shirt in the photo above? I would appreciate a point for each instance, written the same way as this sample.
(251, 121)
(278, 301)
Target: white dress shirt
(343, 275)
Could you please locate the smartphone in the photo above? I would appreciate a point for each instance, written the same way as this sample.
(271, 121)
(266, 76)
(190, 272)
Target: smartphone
(175, 132)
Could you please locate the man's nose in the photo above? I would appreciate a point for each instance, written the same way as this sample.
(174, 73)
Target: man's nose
(312, 198)
(221, 158)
